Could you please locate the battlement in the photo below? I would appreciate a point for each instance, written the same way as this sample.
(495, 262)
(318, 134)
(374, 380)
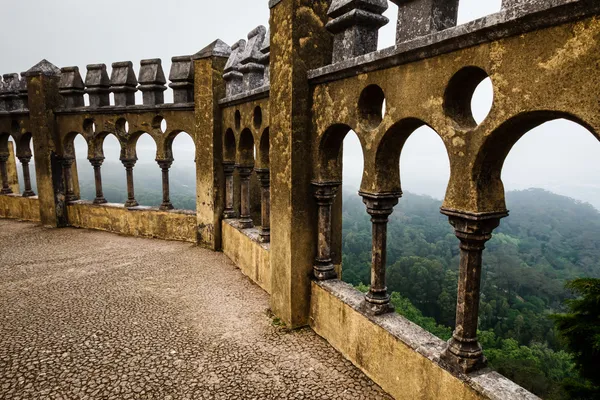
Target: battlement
(268, 117)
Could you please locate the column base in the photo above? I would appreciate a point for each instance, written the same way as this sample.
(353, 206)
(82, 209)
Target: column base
(464, 357)
(377, 306)
(229, 214)
(166, 207)
(246, 223)
(28, 193)
(70, 198)
(131, 203)
(264, 236)
(324, 272)
(100, 200)
(6, 191)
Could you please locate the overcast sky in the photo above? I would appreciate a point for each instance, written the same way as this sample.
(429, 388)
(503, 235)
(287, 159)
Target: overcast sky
(559, 156)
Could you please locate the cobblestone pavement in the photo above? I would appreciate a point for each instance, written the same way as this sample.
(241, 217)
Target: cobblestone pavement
(93, 315)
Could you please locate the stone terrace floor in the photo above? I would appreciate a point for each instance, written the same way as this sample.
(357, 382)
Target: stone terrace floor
(93, 315)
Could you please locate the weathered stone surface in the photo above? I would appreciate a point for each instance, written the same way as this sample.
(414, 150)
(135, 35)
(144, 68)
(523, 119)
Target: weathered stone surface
(152, 82)
(218, 48)
(71, 87)
(422, 17)
(182, 79)
(250, 60)
(44, 67)
(355, 26)
(123, 83)
(234, 79)
(97, 85)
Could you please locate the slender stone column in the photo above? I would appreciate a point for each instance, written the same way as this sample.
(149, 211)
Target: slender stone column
(97, 164)
(245, 218)
(129, 163)
(4, 174)
(26, 176)
(228, 170)
(164, 166)
(264, 176)
(325, 194)
(379, 207)
(464, 352)
(67, 164)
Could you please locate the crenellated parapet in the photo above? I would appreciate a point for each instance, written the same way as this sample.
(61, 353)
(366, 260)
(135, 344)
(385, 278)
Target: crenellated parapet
(13, 93)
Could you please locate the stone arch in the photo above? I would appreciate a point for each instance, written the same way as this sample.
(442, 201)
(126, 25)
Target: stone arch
(263, 150)
(4, 138)
(329, 156)
(24, 145)
(166, 147)
(97, 144)
(486, 175)
(245, 152)
(131, 145)
(386, 177)
(68, 145)
(229, 146)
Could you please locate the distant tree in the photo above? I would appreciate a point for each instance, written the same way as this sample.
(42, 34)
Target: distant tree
(581, 330)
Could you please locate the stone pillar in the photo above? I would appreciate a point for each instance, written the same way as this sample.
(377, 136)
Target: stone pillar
(325, 194)
(42, 85)
(67, 164)
(264, 175)
(299, 42)
(25, 160)
(229, 169)
(245, 217)
(355, 25)
(4, 174)
(97, 164)
(123, 83)
(209, 88)
(129, 163)
(152, 82)
(464, 352)
(164, 166)
(379, 207)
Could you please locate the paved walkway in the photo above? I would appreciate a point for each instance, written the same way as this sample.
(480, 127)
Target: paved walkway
(92, 315)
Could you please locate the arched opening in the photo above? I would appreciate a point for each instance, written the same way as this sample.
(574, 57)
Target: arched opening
(544, 166)
(182, 178)
(469, 97)
(229, 146)
(246, 148)
(264, 148)
(82, 171)
(147, 175)
(9, 182)
(25, 155)
(113, 182)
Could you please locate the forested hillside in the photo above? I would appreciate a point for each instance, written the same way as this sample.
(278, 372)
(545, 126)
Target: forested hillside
(547, 240)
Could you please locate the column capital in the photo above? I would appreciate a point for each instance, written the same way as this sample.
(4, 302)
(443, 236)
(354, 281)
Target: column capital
(473, 230)
(228, 167)
(129, 162)
(3, 157)
(96, 161)
(325, 192)
(24, 159)
(245, 170)
(264, 176)
(380, 205)
(67, 161)
(165, 164)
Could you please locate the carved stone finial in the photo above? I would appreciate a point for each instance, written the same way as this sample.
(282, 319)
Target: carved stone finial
(123, 83)
(265, 59)
(218, 48)
(182, 79)
(152, 81)
(71, 87)
(418, 18)
(355, 26)
(97, 85)
(251, 69)
(231, 74)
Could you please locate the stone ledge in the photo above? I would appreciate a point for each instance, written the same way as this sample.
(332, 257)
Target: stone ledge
(137, 208)
(256, 94)
(506, 23)
(392, 336)
(135, 109)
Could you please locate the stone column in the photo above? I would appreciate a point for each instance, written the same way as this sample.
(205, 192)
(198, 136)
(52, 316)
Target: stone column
(25, 160)
(97, 164)
(379, 207)
(164, 166)
(228, 169)
(245, 218)
(4, 174)
(264, 175)
(67, 164)
(325, 194)
(129, 163)
(464, 352)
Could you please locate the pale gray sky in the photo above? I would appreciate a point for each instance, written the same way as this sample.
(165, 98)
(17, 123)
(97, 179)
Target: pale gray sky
(560, 156)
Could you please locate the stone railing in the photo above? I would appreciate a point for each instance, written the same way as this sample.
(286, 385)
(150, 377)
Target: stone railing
(268, 117)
